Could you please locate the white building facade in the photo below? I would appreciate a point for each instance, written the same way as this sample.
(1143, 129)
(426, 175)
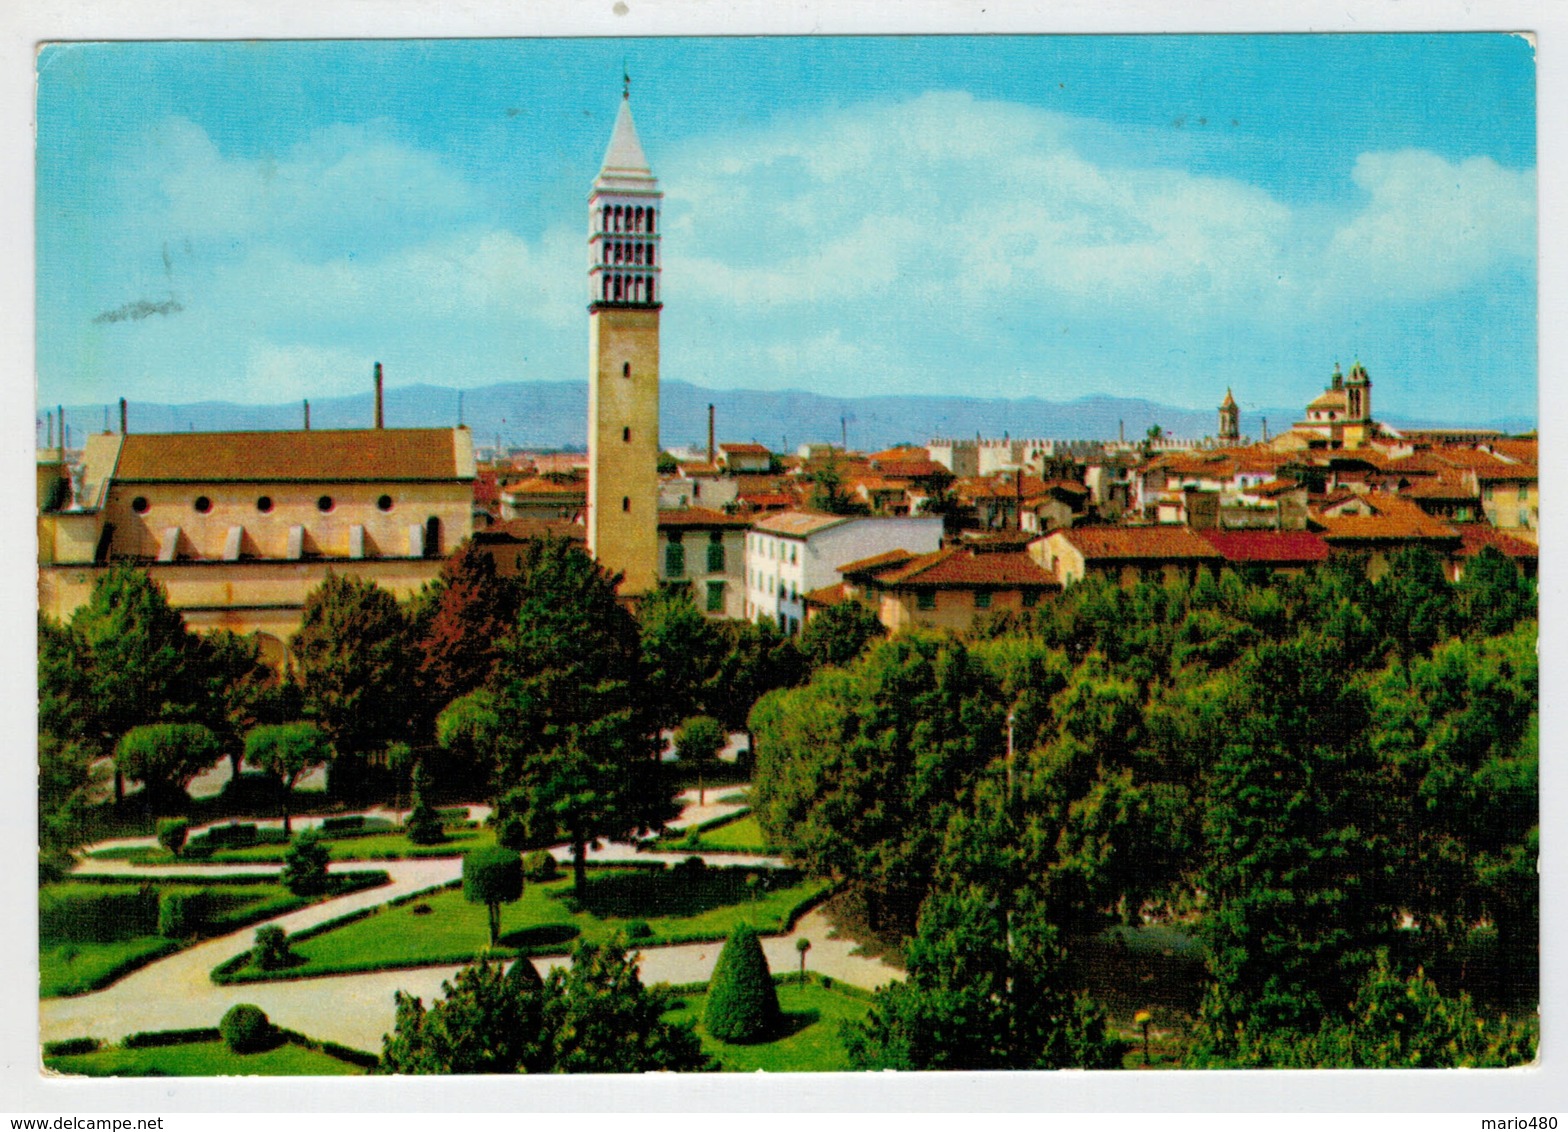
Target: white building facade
(792, 553)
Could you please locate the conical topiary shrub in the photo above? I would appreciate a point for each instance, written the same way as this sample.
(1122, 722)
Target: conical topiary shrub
(742, 1004)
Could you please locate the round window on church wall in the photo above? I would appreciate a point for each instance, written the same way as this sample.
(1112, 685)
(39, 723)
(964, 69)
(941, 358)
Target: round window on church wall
(384, 503)
(324, 503)
(203, 505)
(139, 505)
(264, 504)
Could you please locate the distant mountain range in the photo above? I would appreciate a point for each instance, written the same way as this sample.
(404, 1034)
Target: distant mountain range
(554, 415)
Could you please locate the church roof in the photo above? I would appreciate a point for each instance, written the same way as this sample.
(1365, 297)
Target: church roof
(1331, 399)
(625, 166)
(1229, 402)
(318, 456)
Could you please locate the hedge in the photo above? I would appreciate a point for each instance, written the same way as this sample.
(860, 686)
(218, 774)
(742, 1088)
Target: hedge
(97, 917)
(146, 1039)
(70, 1046)
(332, 1049)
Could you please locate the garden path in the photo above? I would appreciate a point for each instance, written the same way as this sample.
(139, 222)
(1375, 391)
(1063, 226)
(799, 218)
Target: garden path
(177, 993)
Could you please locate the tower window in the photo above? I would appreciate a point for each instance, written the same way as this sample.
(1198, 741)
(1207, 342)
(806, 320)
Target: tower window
(649, 256)
(626, 435)
(650, 220)
(626, 503)
(626, 369)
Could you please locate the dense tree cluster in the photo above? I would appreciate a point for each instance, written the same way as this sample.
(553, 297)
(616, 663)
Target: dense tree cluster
(1319, 773)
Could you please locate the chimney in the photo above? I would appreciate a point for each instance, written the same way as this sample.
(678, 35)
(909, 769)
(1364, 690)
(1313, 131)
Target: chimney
(712, 451)
(123, 429)
(59, 415)
(50, 418)
(1018, 498)
(307, 416)
(380, 421)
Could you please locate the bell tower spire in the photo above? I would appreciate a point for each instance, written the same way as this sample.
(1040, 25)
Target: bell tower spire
(624, 293)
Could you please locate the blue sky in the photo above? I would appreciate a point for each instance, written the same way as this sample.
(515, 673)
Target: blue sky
(1002, 216)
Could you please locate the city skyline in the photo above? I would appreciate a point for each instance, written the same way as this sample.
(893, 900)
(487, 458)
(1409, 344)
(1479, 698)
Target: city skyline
(1170, 217)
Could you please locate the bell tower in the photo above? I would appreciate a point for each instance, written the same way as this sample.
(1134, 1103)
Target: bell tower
(623, 360)
(1230, 419)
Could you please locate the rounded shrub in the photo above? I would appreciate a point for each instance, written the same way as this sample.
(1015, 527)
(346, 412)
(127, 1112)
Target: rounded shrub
(742, 1004)
(172, 833)
(245, 1029)
(540, 866)
(176, 915)
(493, 877)
(639, 929)
(305, 865)
(271, 952)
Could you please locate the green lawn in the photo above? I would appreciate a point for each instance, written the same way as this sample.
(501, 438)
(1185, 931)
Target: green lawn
(810, 1041)
(444, 927)
(389, 846)
(69, 966)
(742, 835)
(202, 1059)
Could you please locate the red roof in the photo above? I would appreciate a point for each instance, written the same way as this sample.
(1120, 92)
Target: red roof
(1274, 487)
(913, 469)
(885, 560)
(1267, 546)
(1394, 519)
(317, 456)
(1474, 536)
(699, 517)
(1137, 544)
(828, 595)
(962, 567)
(744, 450)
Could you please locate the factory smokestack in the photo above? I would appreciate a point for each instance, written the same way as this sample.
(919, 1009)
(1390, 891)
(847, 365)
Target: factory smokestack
(380, 421)
(712, 452)
(307, 416)
(123, 429)
(50, 418)
(59, 415)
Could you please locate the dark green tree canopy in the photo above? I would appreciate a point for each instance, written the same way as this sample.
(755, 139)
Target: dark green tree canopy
(742, 1004)
(840, 633)
(166, 756)
(355, 664)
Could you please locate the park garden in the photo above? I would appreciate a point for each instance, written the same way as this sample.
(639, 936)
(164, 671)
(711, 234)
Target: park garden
(1224, 821)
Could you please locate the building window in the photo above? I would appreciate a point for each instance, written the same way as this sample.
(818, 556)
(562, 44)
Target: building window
(203, 505)
(982, 599)
(715, 597)
(264, 504)
(324, 504)
(675, 560)
(925, 599)
(716, 554)
(626, 369)
(626, 503)
(1031, 598)
(626, 435)
(384, 503)
(1522, 490)
(139, 505)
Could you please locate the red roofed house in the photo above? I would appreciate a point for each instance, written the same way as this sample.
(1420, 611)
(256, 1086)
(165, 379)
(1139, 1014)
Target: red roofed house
(741, 458)
(1127, 554)
(705, 551)
(1475, 537)
(1380, 526)
(946, 589)
(1283, 552)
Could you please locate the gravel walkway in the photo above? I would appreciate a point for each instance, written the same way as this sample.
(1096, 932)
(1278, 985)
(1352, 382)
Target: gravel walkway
(177, 992)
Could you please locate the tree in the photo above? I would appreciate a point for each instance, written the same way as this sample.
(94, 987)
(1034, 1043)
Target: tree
(840, 633)
(469, 731)
(165, 757)
(1493, 596)
(141, 664)
(65, 709)
(578, 755)
(240, 691)
(475, 608)
(742, 1003)
(1413, 603)
(493, 877)
(286, 751)
(697, 744)
(354, 665)
(305, 865)
(488, 1020)
(424, 824)
(66, 783)
(595, 1017)
(681, 653)
(601, 1019)
(828, 494)
(982, 992)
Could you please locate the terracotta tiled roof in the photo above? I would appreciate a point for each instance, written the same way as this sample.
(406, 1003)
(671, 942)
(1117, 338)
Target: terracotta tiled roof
(560, 462)
(1137, 543)
(913, 469)
(1525, 451)
(1267, 546)
(796, 523)
(317, 456)
(884, 561)
(700, 517)
(1439, 488)
(744, 450)
(1273, 488)
(1394, 519)
(1331, 399)
(835, 594)
(966, 566)
(900, 454)
(769, 500)
(487, 492)
(1474, 536)
(539, 485)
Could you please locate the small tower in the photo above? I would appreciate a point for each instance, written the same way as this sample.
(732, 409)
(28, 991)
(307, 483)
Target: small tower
(1358, 394)
(1230, 419)
(623, 360)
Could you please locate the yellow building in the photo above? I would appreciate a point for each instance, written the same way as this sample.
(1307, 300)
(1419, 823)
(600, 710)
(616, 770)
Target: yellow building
(240, 526)
(623, 362)
(1340, 418)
